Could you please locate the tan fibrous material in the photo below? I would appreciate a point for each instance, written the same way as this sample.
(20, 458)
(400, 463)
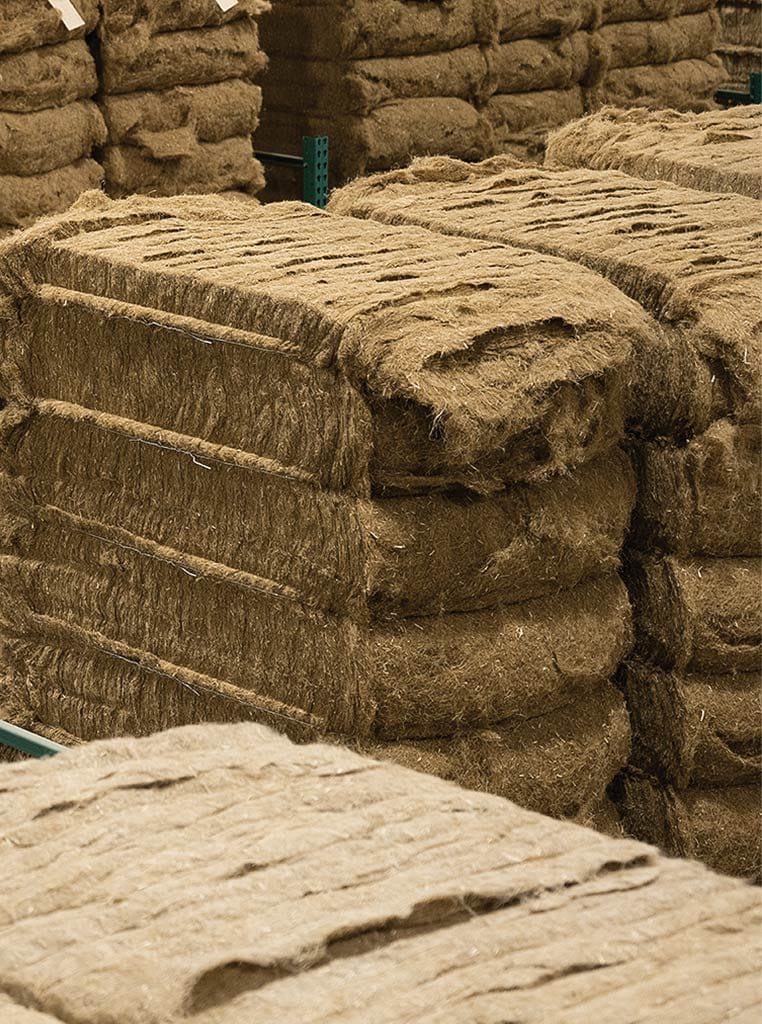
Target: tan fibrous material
(690, 259)
(391, 881)
(716, 151)
(50, 76)
(34, 143)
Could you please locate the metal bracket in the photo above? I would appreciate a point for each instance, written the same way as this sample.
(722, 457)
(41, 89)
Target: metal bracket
(736, 98)
(313, 163)
(27, 742)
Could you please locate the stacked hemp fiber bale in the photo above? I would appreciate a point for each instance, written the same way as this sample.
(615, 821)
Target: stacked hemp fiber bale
(231, 876)
(391, 513)
(386, 80)
(740, 44)
(717, 151)
(49, 124)
(659, 53)
(545, 59)
(178, 97)
(692, 259)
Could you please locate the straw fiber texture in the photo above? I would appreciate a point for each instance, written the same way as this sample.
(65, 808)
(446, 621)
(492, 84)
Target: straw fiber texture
(153, 16)
(695, 730)
(51, 76)
(704, 497)
(49, 139)
(26, 198)
(635, 43)
(277, 554)
(699, 615)
(721, 827)
(687, 85)
(741, 22)
(717, 151)
(503, 364)
(29, 24)
(365, 920)
(691, 260)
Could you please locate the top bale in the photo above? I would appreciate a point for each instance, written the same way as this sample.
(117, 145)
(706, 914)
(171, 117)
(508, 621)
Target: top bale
(717, 151)
(28, 24)
(504, 362)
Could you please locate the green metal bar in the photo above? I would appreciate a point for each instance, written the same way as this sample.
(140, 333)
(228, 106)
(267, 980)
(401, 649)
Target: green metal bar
(27, 742)
(755, 86)
(315, 155)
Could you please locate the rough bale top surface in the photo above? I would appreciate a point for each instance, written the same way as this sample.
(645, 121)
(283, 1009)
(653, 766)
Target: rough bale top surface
(481, 336)
(222, 874)
(690, 258)
(718, 151)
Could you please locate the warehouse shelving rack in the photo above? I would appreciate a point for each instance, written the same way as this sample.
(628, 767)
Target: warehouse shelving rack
(737, 98)
(313, 163)
(27, 742)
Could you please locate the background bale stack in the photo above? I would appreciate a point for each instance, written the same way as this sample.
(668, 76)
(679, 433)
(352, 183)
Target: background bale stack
(717, 151)
(658, 54)
(315, 886)
(49, 124)
(178, 97)
(545, 58)
(405, 536)
(693, 557)
(740, 40)
(385, 79)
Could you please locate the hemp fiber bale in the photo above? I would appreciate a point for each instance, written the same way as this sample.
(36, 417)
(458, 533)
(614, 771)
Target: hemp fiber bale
(50, 76)
(365, 903)
(716, 151)
(49, 139)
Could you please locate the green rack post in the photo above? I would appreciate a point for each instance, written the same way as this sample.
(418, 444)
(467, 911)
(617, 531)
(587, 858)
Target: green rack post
(315, 157)
(27, 742)
(313, 164)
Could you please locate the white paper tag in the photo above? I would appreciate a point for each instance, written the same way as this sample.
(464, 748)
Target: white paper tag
(70, 16)
(225, 5)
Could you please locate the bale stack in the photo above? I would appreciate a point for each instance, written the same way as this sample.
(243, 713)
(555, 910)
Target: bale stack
(178, 97)
(693, 561)
(740, 43)
(545, 59)
(717, 151)
(49, 124)
(658, 54)
(385, 79)
(404, 535)
(231, 877)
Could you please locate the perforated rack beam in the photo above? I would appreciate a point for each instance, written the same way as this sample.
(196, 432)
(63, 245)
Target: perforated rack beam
(313, 163)
(27, 742)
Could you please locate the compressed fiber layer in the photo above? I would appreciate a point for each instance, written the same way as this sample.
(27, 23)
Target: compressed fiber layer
(175, 163)
(383, 558)
(329, 88)
(201, 113)
(133, 60)
(50, 76)
(703, 497)
(365, 903)
(647, 10)
(695, 730)
(560, 763)
(29, 24)
(391, 135)
(690, 259)
(520, 121)
(741, 22)
(635, 43)
(717, 151)
(533, 65)
(512, 378)
(555, 19)
(687, 85)
(720, 826)
(410, 677)
(698, 614)
(740, 62)
(376, 28)
(150, 17)
(48, 139)
(24, 199)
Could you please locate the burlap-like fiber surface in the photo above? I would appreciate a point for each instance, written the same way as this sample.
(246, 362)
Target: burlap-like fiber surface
(716, 151)
(231, 876)
(691, 260)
